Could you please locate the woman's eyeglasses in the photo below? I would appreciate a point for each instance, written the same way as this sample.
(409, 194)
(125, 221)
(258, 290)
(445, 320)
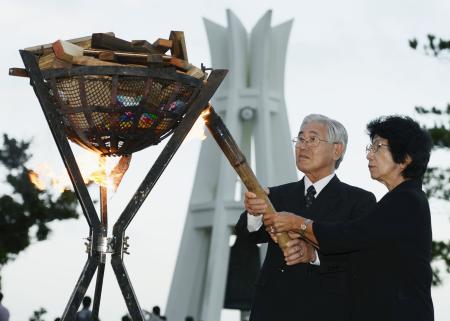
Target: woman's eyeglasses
(374, 148)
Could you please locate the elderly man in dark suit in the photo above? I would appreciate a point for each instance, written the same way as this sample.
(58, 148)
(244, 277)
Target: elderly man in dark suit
(317, 288)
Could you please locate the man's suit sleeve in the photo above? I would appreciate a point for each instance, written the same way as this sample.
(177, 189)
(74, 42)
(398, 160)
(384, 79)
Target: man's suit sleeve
(396, 218)
(241, 230)
(365, 204)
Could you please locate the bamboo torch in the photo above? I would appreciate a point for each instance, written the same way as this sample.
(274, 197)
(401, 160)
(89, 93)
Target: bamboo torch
(234, 155)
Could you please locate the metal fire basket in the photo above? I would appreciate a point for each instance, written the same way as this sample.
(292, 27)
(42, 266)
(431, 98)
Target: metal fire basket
(116, 110)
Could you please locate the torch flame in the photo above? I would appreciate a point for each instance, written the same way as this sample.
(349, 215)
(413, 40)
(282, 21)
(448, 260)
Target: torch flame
(35, 180)
(93, 169)
(198, 130)
(105, 177)
(206, 112)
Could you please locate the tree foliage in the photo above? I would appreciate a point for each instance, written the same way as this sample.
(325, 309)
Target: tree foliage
(433, 46)
(26, 212)
(437, 179)
(37, 315)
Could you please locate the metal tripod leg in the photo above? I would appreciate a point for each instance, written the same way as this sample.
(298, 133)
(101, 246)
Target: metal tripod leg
(127, 289)
(50, 113)
(80, 289)
(149, 181)
(104, 248)
(98, 291)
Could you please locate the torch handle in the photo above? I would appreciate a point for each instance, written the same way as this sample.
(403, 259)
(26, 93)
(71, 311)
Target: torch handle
(234, 155)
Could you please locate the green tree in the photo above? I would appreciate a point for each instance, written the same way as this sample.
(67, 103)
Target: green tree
(37, 315)
(433, 46)
(26, 212)
(437, 179)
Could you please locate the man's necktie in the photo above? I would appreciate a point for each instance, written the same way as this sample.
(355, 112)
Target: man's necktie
(310, 192)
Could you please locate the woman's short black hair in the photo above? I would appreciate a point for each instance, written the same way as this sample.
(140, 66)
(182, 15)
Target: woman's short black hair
(405, 137)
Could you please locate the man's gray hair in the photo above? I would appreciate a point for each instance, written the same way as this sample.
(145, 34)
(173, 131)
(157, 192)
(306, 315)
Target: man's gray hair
(336, 131)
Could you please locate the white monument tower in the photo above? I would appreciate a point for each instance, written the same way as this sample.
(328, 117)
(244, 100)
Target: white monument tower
(251, 103)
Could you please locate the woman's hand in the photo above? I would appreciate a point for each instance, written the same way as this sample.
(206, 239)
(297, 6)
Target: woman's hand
(298, 251)
(281, 222)
(253, 205)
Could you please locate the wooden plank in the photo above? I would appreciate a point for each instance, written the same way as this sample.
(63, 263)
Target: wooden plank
(180, 63)
(163, 45)
(46, 62)
(105, 41)
(196, 72)
(178, 49)
(91, 61)
(58, 63)
(46, 49)
(18, 72)
(188, 68)
(145, 44)
(128, 57)
(107, 56)
(66, 51)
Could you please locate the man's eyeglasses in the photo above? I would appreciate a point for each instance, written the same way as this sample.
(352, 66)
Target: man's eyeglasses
(312, 141)
(374, 148)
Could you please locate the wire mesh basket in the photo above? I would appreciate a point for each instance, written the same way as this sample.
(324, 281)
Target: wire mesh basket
(120, 110)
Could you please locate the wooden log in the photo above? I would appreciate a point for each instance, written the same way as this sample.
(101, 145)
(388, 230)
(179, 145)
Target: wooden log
(91, 61)
(46, 49)
(105, 41)
(66, 51)
(238, 161)
(145, 44)
(59, 63)
(196, 72)
(128, 57)
(188, 68)
(180, 63)
(178, 48)
(47, 55)
(107, 56)
(163, 45)
(46, 61)
(18, 72)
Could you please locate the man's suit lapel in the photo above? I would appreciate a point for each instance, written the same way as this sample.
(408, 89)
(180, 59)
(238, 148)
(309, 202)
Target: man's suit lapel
(294, 199)
(327, 200)
(300, 196)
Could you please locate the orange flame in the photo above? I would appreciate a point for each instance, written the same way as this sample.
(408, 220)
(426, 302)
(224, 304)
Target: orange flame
(35, 180)
(94, 169)
(198, 130)
(206, 112)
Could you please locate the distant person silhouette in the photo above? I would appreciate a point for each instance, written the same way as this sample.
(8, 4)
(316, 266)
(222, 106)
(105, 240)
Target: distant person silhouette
(189, 318)
(156, 314)
(58, 319)
(126, 318)
(85, 314)
(4, 313)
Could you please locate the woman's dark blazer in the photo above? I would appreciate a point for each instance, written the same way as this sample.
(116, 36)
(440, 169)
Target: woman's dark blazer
(392, 278)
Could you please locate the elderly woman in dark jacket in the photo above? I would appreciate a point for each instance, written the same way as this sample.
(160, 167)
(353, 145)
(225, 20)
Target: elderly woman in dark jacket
(392, 278)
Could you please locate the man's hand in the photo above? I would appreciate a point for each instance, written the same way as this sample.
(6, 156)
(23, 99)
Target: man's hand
(298, 251)
(281, 222)
(253, 205)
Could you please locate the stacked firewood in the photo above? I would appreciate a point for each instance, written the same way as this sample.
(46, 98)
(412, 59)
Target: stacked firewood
(104, 49)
